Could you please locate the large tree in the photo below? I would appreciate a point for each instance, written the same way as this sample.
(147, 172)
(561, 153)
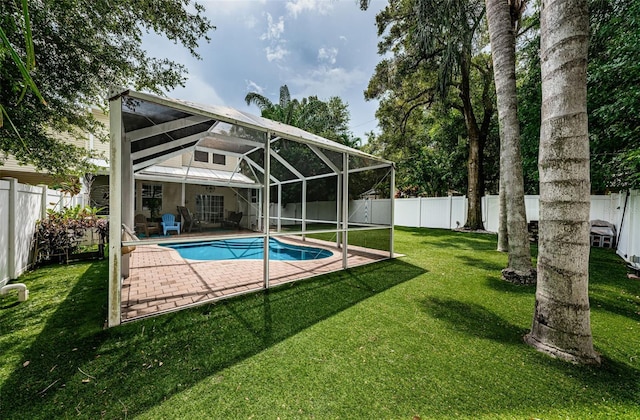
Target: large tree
(503, 17)
(561, 322)
(438, 40)
(81, 49)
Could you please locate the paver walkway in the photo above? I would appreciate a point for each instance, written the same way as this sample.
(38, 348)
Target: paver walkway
(161, 280)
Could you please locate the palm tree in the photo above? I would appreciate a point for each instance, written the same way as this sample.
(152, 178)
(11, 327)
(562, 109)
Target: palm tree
(502, 17)
(284, 111)
(561, 322)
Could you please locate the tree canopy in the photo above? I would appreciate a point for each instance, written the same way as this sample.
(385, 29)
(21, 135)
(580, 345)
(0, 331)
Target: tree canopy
(435, 72)
(613, 88)
(328, 119)
(81, 49)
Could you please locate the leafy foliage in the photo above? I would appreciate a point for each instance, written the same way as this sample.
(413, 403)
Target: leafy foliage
(436, 96)
(613, 89)
(59, 235)
(328, 119)
(81, 49)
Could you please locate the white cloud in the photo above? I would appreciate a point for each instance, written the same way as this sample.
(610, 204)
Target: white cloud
(198, 90)
(250, 22)
(277, 52)
(274, 29)
(296, 7)
(343, 38)
(327, 55)
(254, 87)
(329, 81)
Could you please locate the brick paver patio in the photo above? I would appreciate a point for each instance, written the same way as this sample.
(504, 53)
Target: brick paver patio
(161, 280)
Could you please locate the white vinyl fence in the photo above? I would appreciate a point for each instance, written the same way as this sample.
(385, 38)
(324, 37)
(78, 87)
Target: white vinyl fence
(20, 207)
(622, 210)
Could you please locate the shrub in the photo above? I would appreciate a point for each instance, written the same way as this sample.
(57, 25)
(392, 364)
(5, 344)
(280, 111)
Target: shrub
(58, 236)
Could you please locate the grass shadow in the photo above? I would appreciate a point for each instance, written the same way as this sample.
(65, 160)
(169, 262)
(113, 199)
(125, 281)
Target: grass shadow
(612, 380)
(78, 369)
(444, 238)
(481, 263)
(499, 285)
(474, 320)
(609, 288)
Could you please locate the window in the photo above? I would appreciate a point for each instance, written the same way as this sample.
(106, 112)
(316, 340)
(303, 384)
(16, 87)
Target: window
(219, 159)
(200, 156)
(152, 198)
(210, 208)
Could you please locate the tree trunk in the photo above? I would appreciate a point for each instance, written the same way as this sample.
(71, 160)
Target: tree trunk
(502, 36)
(475, 178)
(503, 240)
(561, 322)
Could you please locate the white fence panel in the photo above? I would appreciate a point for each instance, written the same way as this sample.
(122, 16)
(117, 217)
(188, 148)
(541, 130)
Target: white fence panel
(4, 232)
(407, 212)
(20, 207)
(450, 212)
(491, 210)
(380, 211)
(532, 206)
(629, 236)
(435, 212)
(602, 207)
(322, 210)
(28, 211)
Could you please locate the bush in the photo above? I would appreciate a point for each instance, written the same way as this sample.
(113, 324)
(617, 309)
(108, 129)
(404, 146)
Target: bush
(58, 236)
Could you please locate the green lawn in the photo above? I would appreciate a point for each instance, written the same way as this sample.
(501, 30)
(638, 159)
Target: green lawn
(435, 334)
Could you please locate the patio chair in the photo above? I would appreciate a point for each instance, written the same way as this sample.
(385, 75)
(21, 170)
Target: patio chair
(169, 223)
(189, 220)
(233, 220)
(144, 227)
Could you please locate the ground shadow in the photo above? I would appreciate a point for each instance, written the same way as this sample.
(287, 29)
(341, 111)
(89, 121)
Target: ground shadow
(481, 263)
(498, 284)
(613, 379)
(473, 319)
(79, 369)
(443, 238)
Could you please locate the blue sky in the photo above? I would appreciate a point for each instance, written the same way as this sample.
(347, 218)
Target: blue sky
(316, 47)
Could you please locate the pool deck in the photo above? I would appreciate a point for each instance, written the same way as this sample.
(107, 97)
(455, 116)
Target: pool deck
(160, 280)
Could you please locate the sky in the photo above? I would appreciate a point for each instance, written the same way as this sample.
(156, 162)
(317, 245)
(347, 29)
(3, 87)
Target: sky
(316, 47)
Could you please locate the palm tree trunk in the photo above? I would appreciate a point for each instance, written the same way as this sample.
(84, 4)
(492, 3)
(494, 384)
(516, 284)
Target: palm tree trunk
(502, 36)
(503, 240)
(561, 322)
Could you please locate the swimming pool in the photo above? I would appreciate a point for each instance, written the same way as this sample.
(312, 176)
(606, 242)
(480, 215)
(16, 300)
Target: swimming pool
(247, 249)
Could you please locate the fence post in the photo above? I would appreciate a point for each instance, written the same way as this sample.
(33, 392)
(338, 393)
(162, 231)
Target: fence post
(13, 201)
(43, 201)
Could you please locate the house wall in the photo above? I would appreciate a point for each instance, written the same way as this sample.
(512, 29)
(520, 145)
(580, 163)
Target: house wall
(230, 162)
(172, 197)
(27, 174)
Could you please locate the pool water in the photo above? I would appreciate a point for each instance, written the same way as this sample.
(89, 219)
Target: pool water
(247, 249)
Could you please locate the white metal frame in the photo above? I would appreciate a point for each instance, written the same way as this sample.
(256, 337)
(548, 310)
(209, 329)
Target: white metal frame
(123, 168)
